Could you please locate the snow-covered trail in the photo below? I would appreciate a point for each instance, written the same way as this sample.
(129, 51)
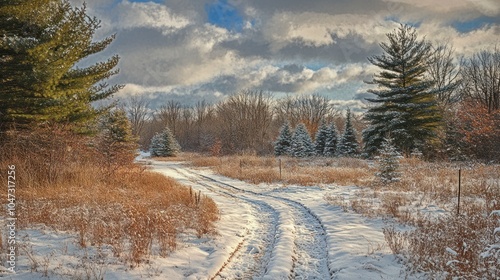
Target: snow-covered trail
(253, 251)
(265, 231)
(283, 239)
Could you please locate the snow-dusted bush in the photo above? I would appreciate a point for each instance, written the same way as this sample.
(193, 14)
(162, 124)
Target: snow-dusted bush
(388, 162)
(163, 144)
(463, 246)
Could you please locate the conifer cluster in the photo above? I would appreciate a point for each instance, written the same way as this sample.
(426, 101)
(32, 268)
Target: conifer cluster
(327, 142)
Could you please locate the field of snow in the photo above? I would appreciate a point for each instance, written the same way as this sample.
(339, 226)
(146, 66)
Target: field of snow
(288, 232)
(266, 231)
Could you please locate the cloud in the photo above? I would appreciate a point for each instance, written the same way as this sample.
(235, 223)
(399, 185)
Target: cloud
(136, 15)
(178, 50)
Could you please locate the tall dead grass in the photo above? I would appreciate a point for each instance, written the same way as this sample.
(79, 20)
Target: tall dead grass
(444, 246)
(61, 185)
(306, 172)
(449, 246)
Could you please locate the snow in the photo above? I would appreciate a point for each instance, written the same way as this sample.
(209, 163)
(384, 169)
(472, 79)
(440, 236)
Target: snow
(350, 239)
(265, 231)
(451, 251)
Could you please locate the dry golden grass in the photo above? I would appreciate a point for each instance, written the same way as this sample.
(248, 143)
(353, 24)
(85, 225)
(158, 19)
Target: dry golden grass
(139, 213)
(468, 235)
(254, 169)
(424, 249)
(132, 214)
(139, 209)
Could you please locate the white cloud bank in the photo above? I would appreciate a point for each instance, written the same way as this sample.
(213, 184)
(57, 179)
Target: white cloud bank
(170, 50)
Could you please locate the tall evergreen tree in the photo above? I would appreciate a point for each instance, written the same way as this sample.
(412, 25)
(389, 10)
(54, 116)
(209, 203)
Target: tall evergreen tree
(348, 144)
(331, 141)
(404, 105)
(41, 42)
(164, 144)
(282, 145)
(320, 139)
(302, 145)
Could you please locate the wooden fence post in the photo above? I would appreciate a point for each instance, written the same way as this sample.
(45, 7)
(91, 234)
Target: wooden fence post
(280, 168)
(459, 189)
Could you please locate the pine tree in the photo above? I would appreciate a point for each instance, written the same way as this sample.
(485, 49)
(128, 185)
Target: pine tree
(115, 141)
(301, 145)
(331, 141)
(320, 140)
(405, 105)
(282, 145)
(388, 162)
(164, 144)
(41, 42)
(348, 144)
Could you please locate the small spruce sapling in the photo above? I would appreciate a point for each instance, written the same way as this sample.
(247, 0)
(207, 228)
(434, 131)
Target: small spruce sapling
(320, 139)
(388, 163)
(163, 144)
(331, 141)
(348, 145)
(283, 143)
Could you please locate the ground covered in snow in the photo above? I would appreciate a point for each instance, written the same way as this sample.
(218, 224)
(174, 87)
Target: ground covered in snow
(266, 231)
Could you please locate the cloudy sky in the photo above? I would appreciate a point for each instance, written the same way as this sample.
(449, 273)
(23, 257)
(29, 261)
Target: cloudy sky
(189, 50)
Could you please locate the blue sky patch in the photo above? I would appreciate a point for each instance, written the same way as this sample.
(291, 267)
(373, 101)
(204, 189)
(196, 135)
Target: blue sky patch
(471, 25)
(145, 1)
(316, 65)
(223, 14)
(415, 24)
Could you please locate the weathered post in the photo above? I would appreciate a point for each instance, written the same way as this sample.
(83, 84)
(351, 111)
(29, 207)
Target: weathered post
(459, 189)
(280, 167)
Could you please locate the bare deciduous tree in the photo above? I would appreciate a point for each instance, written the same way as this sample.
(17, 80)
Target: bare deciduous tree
(170, 115)
(309, 110)
(204, 116)
(481, 79)
(445, 73)
(137, 109)
(245, 119)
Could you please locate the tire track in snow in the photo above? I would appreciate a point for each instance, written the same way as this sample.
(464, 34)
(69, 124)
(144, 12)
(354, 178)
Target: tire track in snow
(311, 246)
(257, 243)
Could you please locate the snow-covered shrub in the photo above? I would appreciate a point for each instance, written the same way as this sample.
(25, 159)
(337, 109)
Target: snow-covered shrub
(451, 247)
(491, 253)
(163, 144)
(388, 163)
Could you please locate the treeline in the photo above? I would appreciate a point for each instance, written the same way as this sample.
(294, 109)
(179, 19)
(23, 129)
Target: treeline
(246, 122)
(424, 98)
(327, 142)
